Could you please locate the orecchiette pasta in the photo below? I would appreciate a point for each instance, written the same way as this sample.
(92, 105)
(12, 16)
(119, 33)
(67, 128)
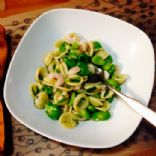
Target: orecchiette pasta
(41, 100)
(41, 72)
(48, 58)
(80, 102)
(67, 86)
(34, 89)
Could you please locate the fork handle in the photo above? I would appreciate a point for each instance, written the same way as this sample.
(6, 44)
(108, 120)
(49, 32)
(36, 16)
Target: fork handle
(137, 106)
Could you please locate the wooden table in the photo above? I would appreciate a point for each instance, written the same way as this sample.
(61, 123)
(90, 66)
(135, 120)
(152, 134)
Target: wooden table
(21, 140)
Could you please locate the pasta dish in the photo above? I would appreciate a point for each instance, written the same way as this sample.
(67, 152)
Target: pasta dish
(67, 87)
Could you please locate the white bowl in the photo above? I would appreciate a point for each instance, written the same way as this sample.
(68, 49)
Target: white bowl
(128, 45)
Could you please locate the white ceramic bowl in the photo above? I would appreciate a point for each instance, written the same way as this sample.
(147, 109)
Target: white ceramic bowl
(128, 45)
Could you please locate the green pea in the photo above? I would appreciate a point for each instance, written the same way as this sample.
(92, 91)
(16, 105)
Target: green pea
(111, 70)
(74, 45)
(73, 55)
(109, 67)
(84, 58)
(77, 51)
(53, 111)
(97, 60)
(69, 62)
(62, 47)
(118, 88)
(109, 59)
(85, 114)
(47, 89)
(91, 108)
(112, 82)
(100, 116)
(83, 69)
(97, 45)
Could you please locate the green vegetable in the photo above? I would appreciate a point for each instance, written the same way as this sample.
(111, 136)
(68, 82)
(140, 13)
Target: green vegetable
(114, 84)
(85, 114)
(62, 47)
(53, 111)
(118, 88)
(109, 59)
(91, 108)
(75, 45)
(73, 95)
(73, 55)
(47, 89)
(97, 60)
(77, 51)
(84, 58)
(111, 70)
(69, 62)
(100, 116)
(69, 94)
(109, 67)
(96, 45)
(83, 69)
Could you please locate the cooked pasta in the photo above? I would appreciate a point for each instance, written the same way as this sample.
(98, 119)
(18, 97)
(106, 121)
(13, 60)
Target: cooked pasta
(67, 87)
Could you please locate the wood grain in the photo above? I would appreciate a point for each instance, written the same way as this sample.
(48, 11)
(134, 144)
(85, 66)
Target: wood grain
(3, 57)
(2, 5)
(14, 7)
(3, 51)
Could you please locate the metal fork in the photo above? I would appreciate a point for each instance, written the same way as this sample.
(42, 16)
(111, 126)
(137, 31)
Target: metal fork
(136, 105)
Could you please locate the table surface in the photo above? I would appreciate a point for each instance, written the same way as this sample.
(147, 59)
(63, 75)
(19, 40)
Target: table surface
(20, 140)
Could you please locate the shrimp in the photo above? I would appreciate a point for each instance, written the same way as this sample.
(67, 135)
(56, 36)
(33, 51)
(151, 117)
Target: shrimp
(58, 78)
(72, 38)
(76, 88)
(83, 46)
(73, 70)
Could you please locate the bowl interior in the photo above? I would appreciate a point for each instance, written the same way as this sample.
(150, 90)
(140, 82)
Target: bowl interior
(128, 45)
